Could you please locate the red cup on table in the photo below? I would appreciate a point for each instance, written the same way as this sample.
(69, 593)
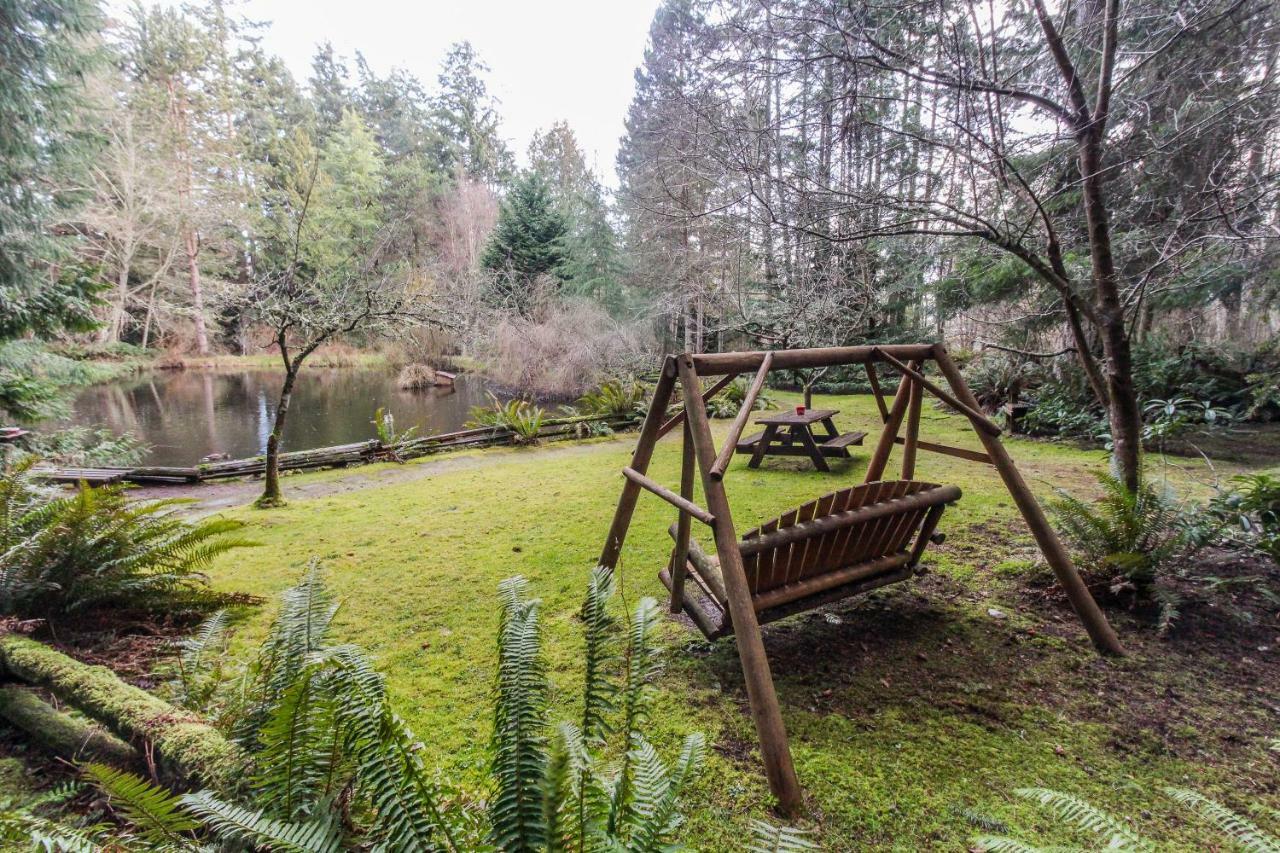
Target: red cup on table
(800, 410)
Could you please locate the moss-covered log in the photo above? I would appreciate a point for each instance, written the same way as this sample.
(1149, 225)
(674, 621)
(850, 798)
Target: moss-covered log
(188, 750)
(62, 734)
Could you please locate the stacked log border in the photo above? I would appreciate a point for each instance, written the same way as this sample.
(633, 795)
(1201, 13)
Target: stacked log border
(357, 453)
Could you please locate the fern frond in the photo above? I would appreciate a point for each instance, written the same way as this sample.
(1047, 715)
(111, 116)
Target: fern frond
(519, 725)
(982, 820)
(650, 816)
(600, 631)
(767, 838)
(153, 811)
(1083, 814)
(590, 798)
(237, 824)
(641, 670)
(1245, 833)
(558, 793)
(298, 747)
(27, 831)
(389, 769)
(299, 630)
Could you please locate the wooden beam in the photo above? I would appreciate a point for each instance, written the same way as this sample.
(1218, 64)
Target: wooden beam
(884, 446)
(874, 379)
(711, 627)
(706, 568)
(804, 605)
(685, 506)
(829, 580)
(763, 699)
(948, 450)
(716, 364)
(730, 445)
(974, 413)
(678, 417)
(913, 431)
(640, 458)
(1055, 554)
(680, 553)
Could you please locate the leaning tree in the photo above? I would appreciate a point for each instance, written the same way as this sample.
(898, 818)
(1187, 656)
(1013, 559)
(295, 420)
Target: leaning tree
(335, 269)
(1112, 150)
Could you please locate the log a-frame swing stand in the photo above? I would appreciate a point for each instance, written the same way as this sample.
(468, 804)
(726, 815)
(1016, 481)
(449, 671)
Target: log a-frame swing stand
(838, 545)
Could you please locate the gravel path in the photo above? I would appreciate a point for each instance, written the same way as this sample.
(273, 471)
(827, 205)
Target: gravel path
(209, 498)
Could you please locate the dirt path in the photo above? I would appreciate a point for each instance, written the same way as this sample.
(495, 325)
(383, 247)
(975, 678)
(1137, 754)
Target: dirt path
(209, 498)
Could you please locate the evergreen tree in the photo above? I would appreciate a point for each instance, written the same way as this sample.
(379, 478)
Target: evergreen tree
(592, 269)
(329, 92)
(468, 117)
(41, 144)
(529, 241)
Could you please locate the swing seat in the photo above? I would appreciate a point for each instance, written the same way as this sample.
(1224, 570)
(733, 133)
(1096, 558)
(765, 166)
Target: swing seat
(842, 544)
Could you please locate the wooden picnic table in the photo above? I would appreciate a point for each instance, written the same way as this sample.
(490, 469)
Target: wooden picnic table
(791, 434)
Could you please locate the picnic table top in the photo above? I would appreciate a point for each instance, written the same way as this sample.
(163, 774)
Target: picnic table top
(790, 418)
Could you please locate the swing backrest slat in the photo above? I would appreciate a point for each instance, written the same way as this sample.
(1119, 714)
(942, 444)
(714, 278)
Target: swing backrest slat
(835, 547)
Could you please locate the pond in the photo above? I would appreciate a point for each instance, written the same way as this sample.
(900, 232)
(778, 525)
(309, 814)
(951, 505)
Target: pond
(185, 415)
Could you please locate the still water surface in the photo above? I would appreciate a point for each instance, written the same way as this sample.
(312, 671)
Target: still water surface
(185, 415)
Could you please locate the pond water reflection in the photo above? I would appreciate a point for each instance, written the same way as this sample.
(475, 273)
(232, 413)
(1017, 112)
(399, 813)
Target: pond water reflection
(185, 415)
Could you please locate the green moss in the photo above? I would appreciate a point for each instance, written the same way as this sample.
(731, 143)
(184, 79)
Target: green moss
(890, 747)
(189, 748)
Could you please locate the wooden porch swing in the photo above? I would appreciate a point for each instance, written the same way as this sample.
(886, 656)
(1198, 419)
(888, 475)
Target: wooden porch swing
(841, 544)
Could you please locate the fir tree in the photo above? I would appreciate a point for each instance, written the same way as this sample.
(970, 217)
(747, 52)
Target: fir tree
(529, 241)
(41, 144)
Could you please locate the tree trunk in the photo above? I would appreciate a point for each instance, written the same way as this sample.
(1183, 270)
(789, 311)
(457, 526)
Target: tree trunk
(271, 495)
(110, 332)
(1124, 413)
(197, 291)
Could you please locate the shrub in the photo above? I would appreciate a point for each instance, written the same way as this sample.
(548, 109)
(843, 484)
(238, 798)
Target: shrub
(1126, 537)
(1060, 411)
(62, 552)
(520, 416)
(614, 398)
(416, 377)
(997, 377)
(729, 402)
(85, 446)
(569, 348)
(384, 423)
(1254, 505)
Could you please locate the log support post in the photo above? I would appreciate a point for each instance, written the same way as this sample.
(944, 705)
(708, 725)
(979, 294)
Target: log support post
(1055, 554)
(680, 553)
(880, 457)
(765, 710)
(915, 398)
(640, 459)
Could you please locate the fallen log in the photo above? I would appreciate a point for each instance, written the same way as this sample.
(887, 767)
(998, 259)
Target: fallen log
(188, 750)
(62, 734)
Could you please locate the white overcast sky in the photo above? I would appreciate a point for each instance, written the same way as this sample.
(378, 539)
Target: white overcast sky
(549, 59)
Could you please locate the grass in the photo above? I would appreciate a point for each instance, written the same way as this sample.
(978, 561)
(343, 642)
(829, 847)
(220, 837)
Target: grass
(905, 708)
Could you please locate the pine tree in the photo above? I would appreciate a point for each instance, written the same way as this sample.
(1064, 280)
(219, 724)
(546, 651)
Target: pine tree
(530, 241)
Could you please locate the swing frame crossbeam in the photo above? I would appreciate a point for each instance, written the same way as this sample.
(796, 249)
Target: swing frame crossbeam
(700, 458)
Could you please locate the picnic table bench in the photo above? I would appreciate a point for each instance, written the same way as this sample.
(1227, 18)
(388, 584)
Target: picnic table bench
(791, 434)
